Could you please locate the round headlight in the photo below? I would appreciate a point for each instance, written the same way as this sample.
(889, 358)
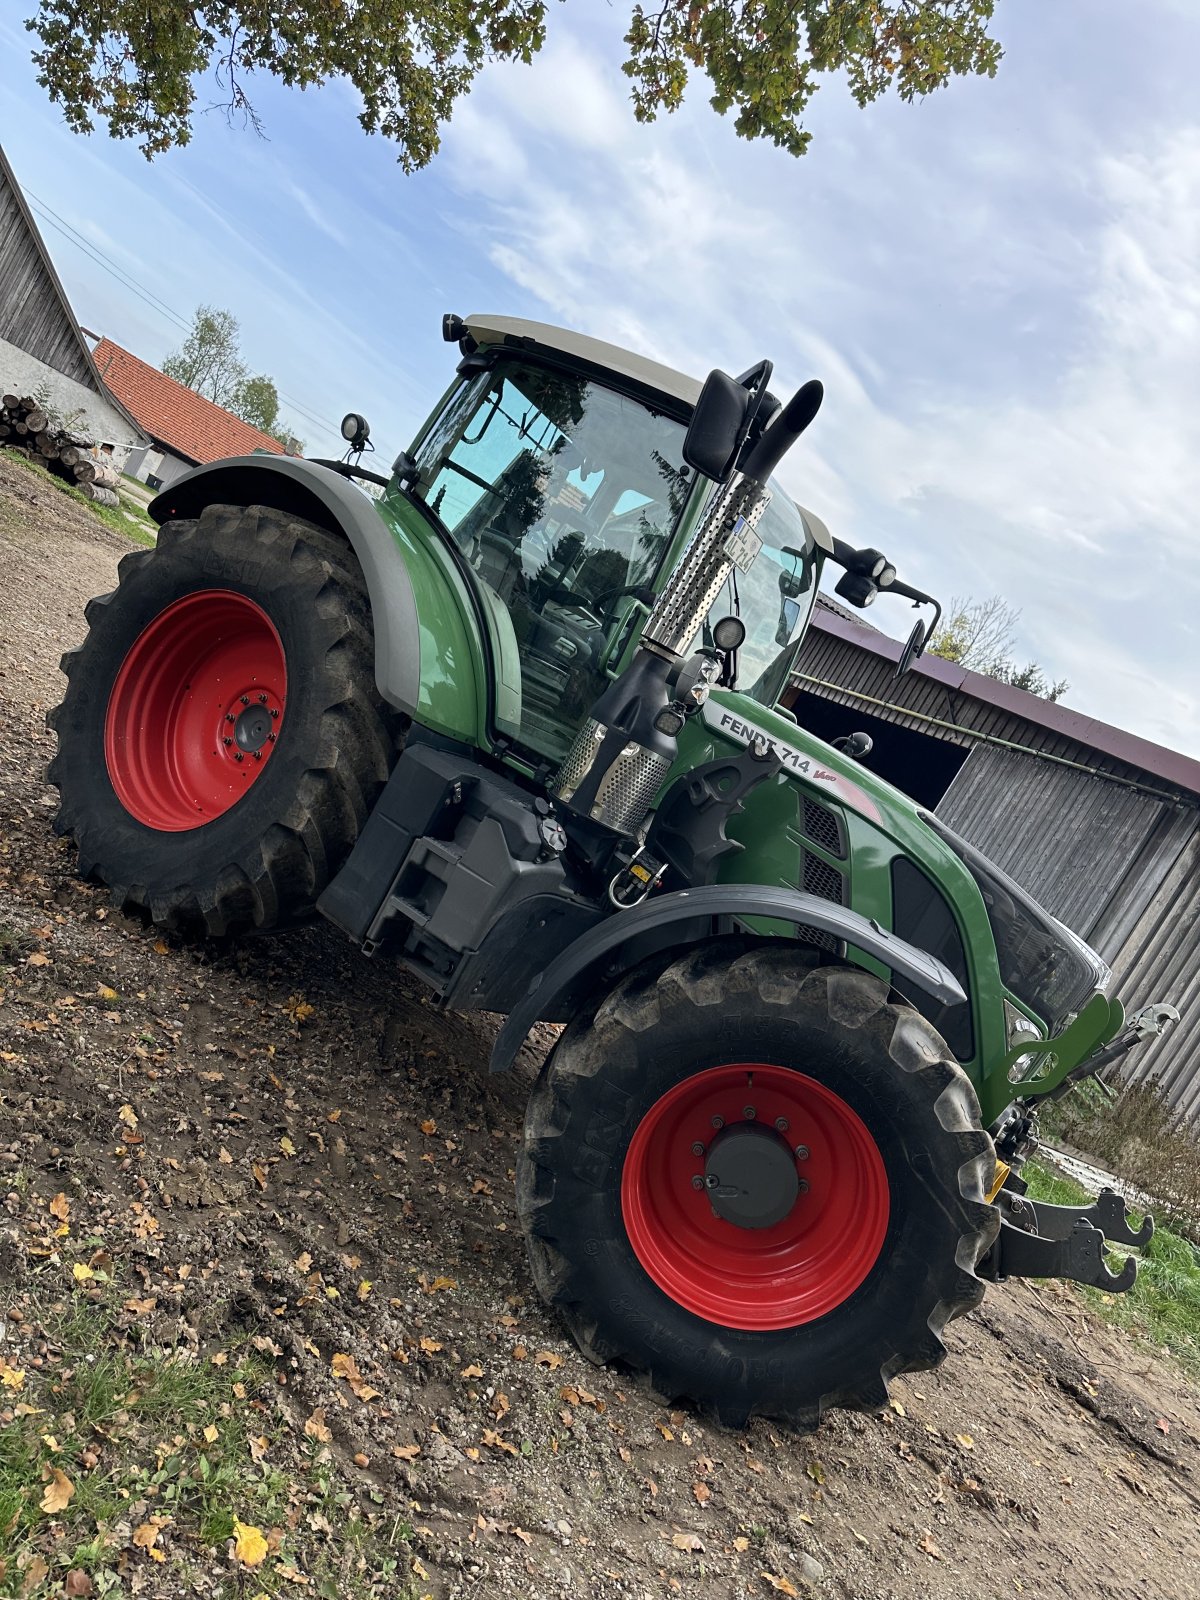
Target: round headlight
(729, 633)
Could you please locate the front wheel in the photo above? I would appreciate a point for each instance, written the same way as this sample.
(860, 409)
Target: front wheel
(222, 741)
(759, 1180)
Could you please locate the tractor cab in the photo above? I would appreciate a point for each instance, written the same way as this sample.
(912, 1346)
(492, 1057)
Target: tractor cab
(556, 467)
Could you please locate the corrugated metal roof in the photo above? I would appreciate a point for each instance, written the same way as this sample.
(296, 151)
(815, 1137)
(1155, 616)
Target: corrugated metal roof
(859, 660)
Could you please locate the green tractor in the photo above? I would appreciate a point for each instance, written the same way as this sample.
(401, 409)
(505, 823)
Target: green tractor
(514, 723)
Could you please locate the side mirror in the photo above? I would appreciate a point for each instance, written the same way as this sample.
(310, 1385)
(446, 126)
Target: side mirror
(718, 426)
(914, 646)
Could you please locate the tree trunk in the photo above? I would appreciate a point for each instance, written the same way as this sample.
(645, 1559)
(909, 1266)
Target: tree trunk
(11, 402)
(37, 421)
(69, 455)
(84, 470)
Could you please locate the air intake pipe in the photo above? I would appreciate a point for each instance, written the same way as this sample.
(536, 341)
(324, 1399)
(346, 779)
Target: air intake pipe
(628, 743)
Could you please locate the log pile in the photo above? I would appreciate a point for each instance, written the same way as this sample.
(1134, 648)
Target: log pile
(29, 431)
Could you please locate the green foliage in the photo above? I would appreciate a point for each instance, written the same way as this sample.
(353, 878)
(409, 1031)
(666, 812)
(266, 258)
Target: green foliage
(979, 634)
(210, 362)
(256, 401)
(139, 67)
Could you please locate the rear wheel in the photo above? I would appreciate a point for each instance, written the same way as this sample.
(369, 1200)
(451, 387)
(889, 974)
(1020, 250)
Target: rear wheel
(759, 1180)
(221, 741)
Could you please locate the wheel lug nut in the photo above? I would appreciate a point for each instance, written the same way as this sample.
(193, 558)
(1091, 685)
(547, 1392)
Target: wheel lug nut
(226, 740)
(229, 717)
(262, 699)
(245, 699)
(697, 1148)
(781, 1123)
(274, 711)
(803, 1185)
(718, 1122)
(801, 1152)
(697, 1182)
(749, 1113)
(271, 738)
(239, 756)
(258, 755)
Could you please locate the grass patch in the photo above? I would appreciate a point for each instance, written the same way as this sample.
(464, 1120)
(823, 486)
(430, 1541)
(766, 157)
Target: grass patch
(164, 1452)
(140, 531)
(1163, 1307)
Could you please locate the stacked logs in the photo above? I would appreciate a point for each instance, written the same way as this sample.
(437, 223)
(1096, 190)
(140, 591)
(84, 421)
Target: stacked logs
(29, 431)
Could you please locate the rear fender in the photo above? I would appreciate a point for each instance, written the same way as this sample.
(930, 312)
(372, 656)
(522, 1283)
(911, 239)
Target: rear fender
(331, 502)
(590, 960)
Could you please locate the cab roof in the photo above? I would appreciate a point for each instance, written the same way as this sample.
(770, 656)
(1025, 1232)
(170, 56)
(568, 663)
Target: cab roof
(517, 333)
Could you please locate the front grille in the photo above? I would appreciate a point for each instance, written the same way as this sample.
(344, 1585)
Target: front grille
(822, 879)
(822, 826)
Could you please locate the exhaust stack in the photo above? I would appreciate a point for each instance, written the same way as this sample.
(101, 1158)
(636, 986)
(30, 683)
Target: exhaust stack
(625, 748)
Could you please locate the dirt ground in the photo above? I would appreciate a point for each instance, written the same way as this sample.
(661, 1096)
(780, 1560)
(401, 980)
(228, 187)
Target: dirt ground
(249, 1129)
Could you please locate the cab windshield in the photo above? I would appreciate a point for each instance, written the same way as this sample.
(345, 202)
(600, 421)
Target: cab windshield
(563, 496)
(773, 598)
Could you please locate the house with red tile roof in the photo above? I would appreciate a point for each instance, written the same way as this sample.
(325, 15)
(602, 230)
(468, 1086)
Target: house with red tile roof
(185, 429)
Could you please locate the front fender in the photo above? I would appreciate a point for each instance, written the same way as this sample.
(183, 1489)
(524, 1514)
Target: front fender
(589, 954)
(325, 498)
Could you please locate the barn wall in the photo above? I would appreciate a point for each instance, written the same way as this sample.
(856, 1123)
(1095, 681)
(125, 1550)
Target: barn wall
(31, 312)
(1120, 867)
(79, 406)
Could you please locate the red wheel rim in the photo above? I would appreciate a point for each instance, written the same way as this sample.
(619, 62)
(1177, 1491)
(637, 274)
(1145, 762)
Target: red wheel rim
(755, 1278)
(196, 710)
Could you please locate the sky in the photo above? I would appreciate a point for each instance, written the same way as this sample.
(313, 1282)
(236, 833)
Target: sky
(999, 287)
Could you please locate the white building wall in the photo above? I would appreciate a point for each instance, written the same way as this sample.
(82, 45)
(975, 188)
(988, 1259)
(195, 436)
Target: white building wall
(80, 408)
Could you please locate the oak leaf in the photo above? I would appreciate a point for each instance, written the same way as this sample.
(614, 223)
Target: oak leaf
(780, 1585)
(316, 1427)
(58, 1492)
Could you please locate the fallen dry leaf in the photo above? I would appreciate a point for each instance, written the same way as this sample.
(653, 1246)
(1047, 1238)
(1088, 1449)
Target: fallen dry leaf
(548, 1358)
(304, 1262)
(35, 1575)
(1162, 1424)
(345, 1366)
(211, 1434)
(780, 1585)
(77, 1584)
(11, 1377)
(406, 1452)
(429, 1346)
(687, 1541)
(741, 1543)
(60, 1207)
(429, 1126)
(128, 1116)
(286, 1145)
(316, 1428)
(472, 1371)
(929, 1546)
(965, 1440)
(249, 1545)
(702, 1493)
(105, 993)
(495, 1442)
(260, 1175)
(58, 1492)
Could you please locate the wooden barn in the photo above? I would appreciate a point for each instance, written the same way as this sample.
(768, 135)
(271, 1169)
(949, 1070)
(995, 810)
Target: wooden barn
(43, 352)
(1101, 826)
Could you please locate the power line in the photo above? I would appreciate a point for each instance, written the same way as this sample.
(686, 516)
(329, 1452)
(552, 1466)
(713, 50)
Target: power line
(106, 263)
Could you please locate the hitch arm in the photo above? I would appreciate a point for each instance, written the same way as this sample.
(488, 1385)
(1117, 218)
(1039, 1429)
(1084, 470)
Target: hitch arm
(1080, 1257)
(1107, 1212)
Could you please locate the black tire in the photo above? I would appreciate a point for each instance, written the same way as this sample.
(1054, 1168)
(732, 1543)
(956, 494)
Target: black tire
(767, 1003)
(262, 863)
